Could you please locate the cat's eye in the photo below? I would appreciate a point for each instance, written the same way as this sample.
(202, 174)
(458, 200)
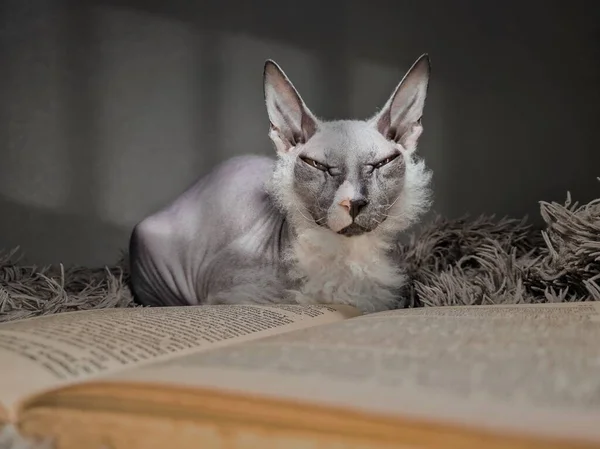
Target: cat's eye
(315, 164)
(385, 161)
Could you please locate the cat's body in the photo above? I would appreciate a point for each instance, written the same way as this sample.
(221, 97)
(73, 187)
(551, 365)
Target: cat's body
(318, 224)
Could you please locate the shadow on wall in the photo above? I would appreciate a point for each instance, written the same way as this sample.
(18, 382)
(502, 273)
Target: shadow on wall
(48, 183)
(82, 238)
(113, 107)
(520, 112)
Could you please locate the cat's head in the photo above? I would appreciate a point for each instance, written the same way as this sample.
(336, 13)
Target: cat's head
(349, 176)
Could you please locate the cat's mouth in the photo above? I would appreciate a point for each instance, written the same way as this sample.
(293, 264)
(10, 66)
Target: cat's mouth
(353, 230)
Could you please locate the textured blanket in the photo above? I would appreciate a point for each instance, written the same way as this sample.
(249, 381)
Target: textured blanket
(482, 260)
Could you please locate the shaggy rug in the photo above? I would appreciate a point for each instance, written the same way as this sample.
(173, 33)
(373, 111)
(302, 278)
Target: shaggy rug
(449, 262)
(482, 260)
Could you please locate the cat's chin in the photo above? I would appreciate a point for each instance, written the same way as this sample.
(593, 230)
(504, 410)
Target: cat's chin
(353, 230)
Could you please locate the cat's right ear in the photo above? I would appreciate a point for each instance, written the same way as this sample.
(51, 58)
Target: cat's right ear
(291, 121)
(400, 118)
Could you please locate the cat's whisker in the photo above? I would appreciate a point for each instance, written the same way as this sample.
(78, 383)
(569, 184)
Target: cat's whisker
(392, 205)
(304, 216)
(392, 216)
(317, 221)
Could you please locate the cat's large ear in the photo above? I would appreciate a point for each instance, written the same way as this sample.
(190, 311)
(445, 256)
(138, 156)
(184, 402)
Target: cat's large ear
(291, 121)
(400, 119)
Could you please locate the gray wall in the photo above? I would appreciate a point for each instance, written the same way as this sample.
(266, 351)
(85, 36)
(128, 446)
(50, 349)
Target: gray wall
(110, 108)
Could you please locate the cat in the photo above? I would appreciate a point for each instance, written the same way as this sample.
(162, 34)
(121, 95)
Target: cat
(316, 224)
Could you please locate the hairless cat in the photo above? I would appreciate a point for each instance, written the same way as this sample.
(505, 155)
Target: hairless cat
(316, 224)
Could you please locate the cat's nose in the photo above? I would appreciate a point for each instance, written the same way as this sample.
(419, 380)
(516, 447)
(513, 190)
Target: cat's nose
(356, 206)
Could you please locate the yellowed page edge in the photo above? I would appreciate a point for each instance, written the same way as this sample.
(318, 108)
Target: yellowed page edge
(294, 421)
(62, 349)
(301, 366)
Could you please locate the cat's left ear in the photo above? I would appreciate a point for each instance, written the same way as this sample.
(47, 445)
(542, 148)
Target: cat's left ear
(291, 121)
(400, 119)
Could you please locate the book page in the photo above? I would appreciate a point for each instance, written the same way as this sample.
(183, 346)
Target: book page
(520, 368)
(54, 350)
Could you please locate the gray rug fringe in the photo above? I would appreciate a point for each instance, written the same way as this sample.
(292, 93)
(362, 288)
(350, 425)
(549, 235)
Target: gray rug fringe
(488, 261)
(449, 262)
(27, 290)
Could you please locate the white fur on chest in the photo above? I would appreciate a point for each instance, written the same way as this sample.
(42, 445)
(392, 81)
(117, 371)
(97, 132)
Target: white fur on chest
(333, 269)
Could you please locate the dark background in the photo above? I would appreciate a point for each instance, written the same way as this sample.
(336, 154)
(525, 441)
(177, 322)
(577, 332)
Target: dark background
(108, 109)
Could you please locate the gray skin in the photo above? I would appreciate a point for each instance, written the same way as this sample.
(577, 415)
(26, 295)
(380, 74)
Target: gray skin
(227, 238)
(187, 251)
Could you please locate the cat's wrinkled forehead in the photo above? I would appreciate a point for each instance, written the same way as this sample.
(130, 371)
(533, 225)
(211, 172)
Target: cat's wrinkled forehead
(345, 140)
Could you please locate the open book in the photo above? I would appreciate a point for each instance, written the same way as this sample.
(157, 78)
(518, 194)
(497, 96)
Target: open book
(244, 376)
